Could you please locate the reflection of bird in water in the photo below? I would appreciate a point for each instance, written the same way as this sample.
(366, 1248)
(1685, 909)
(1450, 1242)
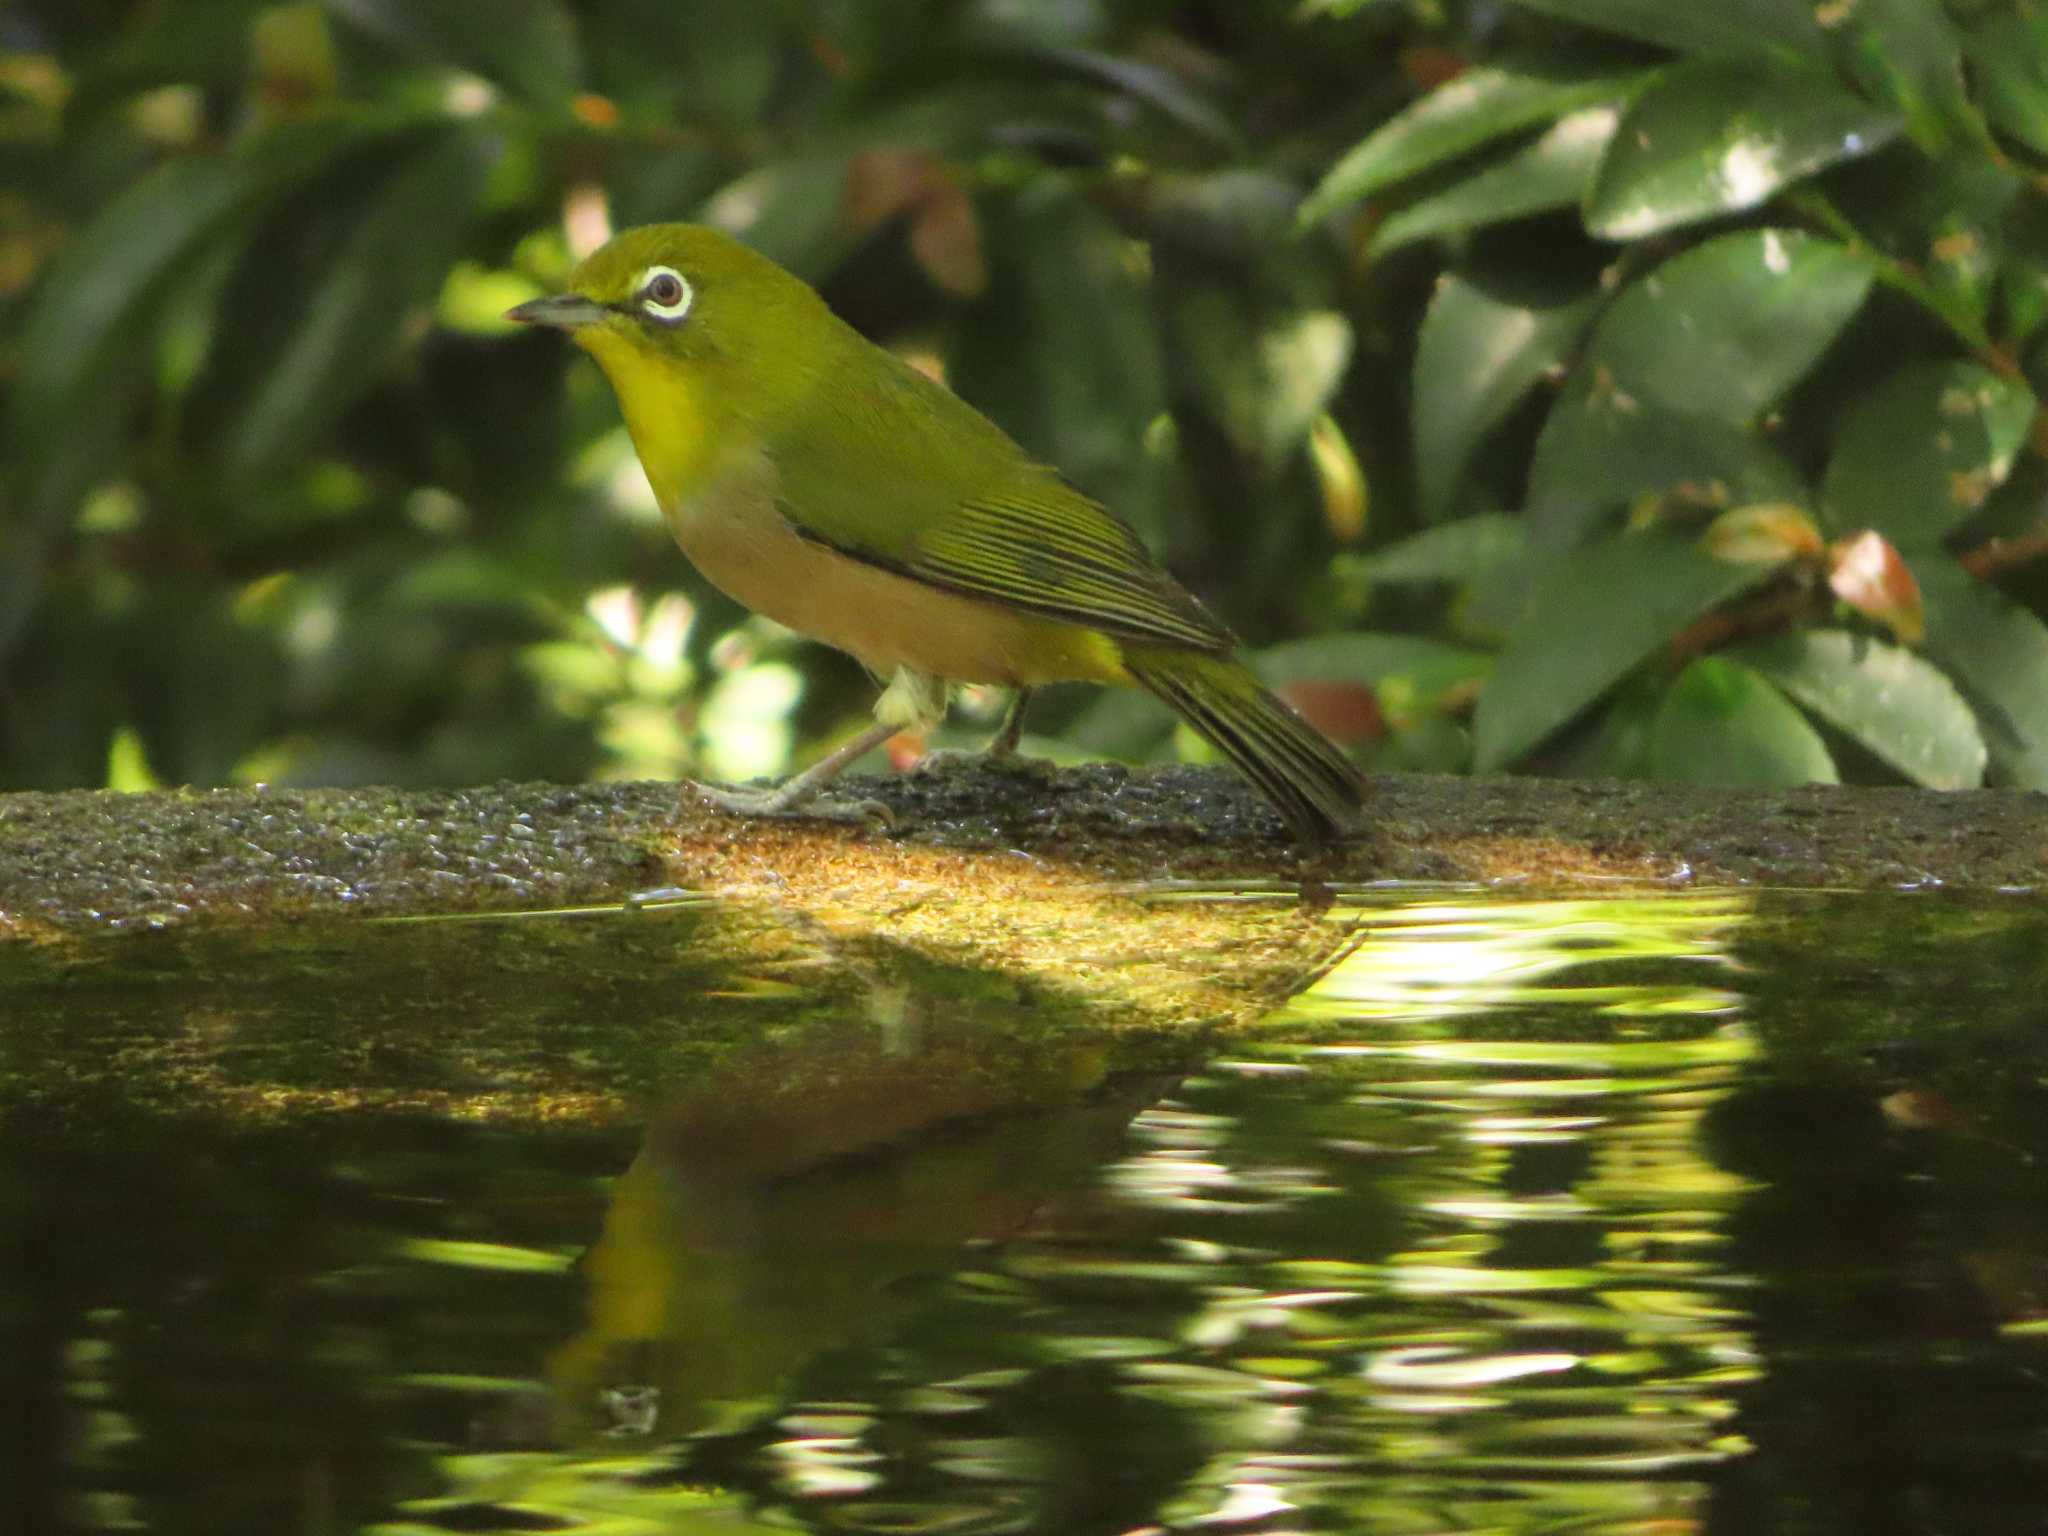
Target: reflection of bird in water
(771, 1212)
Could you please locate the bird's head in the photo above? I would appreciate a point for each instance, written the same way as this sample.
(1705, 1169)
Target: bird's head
(700, 336)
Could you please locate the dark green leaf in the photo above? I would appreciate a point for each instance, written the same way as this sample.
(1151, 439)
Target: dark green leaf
(1723, 724)
(1424, 668)
(1898, 706)
(1478, 107)
(2023, 277)
(529, 46)
(1068, 359)
(1998, 651)
(1602, 450)
(1708, 139)
(1908, 54)
(1614, 741)
(717, 63)
(1483, 347)
(1263, 369)
(1457, 551)
(1727, 327)
(1722, 27)
(88, 346)
(1484, 556)
(1597, 611)
(1922, 450)
(1157, 87)
(1553, 171)
(172, 45)
(2008, 53)
(393, 259)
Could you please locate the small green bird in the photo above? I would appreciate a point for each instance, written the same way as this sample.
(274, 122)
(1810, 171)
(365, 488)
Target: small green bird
(818, 479)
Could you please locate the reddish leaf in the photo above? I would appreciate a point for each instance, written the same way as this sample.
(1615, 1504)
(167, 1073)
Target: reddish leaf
(1347, 713)
(1868, 574)
(945, 235)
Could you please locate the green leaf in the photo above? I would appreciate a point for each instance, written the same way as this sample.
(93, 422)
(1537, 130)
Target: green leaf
(1068, 358)
(1723, 27)
(1483, 346)
(528, 46)
(1457, 551)
(2008, 53)
(1478, 107)
(1264, 369)
(1908, 54)
(1596, 612)
(1923, 450)
(1901, 708)
(87, 347)
(394, 259)
(1486, 556)
(1602, 449)
(1552, 171)
(1614, 741)
(1425, 668)
(1707, 139)
(1998, 651)
(1723, 724)
(1947, 218)
(1157, 87)
(1724, 329)
(184, 45)
(718, 63)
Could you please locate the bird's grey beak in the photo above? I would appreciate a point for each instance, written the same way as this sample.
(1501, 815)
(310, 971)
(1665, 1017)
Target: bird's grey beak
(563, 311)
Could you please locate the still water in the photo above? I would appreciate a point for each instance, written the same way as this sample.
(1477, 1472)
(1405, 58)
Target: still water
(1648, 1216)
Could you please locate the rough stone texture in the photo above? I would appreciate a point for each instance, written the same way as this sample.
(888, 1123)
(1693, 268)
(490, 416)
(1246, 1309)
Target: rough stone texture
(83, 861)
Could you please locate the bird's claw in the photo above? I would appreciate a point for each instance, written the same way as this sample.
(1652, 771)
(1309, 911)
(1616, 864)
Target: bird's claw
(772, 803)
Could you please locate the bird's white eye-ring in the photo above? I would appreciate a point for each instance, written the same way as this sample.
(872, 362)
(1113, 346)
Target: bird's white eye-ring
(665, 294)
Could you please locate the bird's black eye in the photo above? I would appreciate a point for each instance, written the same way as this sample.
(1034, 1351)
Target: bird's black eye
(664, 294)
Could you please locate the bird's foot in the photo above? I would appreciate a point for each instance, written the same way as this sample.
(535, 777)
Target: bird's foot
(777, 803)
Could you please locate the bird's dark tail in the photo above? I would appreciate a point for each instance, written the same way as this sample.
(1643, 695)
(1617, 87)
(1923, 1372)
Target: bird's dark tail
(1310, 782)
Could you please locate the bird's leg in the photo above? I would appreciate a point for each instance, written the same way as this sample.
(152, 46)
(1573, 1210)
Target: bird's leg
(1004, 742)
(800, 793)
(912, 701)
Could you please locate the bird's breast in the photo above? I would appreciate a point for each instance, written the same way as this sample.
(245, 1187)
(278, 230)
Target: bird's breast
(737, 534)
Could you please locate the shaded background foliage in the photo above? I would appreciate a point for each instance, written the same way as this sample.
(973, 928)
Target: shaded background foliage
(1579, 385)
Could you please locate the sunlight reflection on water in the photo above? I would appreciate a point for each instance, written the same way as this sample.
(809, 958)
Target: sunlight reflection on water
(1507, 1222)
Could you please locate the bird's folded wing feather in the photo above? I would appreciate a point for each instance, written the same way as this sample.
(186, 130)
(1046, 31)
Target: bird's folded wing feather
(902, 474)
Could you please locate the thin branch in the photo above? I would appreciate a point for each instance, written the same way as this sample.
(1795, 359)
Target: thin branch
(1907, 279)
(1791, 602)
(1781, 606)
(2006, 551)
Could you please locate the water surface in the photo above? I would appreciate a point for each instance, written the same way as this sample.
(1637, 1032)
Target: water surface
(1646, 1216)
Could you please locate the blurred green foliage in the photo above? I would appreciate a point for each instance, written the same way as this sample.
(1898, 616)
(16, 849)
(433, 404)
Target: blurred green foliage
(1585, 385)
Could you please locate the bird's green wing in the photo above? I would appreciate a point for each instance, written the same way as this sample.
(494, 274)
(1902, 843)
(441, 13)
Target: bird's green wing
(896, 471)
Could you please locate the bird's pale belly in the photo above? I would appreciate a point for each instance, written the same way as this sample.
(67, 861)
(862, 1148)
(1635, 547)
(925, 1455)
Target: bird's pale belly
(745, 547)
